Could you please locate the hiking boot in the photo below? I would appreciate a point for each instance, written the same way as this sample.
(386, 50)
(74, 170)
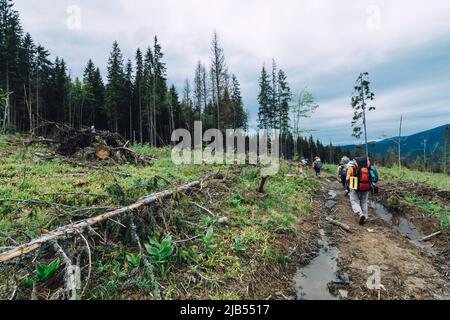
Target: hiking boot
(362, 220)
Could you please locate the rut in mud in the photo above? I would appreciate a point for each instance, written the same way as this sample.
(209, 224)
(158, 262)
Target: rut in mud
(389, 246)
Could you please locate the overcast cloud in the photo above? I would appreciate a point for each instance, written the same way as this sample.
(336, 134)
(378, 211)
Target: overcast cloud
(321, 44)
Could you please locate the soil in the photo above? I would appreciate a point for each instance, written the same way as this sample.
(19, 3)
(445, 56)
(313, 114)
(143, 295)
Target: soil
(390, 241)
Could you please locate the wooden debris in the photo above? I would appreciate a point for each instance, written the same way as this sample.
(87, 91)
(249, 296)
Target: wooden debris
(431, 236)
(89, 144)
(73, 229)
(102, 153)
(339, 224)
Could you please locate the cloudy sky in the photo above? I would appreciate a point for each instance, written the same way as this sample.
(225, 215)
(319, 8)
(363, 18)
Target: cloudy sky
(321, 44)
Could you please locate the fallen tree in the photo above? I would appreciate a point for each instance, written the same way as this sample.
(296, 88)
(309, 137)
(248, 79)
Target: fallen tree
(79, 227)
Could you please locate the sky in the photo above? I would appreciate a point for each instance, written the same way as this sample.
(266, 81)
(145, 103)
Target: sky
(322, 45)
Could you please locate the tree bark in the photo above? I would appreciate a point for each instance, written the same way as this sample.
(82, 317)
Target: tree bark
(74, 229)
(400, 147)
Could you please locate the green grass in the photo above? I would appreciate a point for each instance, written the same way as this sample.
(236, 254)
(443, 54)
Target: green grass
(433, 207)
(209, 260)
(436, 180)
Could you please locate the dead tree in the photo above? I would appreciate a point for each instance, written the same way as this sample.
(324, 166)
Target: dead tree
(72, 230)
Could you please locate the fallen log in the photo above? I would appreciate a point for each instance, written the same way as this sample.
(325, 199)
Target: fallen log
(431, 236)
(339, 224)
(78, 227)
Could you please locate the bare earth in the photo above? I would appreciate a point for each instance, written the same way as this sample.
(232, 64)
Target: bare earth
(408, 270)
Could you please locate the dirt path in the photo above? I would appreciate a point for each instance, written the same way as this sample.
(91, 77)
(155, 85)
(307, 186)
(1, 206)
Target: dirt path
(408, 268)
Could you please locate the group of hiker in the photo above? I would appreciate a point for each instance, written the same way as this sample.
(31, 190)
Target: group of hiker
(358, 177)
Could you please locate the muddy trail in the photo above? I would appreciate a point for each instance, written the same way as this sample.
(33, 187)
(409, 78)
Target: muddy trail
(384, 259)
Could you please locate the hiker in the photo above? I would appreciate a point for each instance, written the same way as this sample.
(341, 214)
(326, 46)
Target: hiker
(317, 166)
(359, 181)
(342, 174)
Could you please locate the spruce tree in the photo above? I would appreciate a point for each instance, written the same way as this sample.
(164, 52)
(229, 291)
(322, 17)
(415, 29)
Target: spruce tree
(115, 89)
(139, 89)
(240, 119)
(129, 97)
(264, 100)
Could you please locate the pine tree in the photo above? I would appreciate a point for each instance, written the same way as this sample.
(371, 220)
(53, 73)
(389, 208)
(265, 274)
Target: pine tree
(129, 97)
(149, 95)
(284, 100)
(240, 118)
(115, 89)
(139, 87)
(88, 80)
(160, 109)
(10, 43)
(98, 89)
(27, 63)
(198, 91)
(264, 100)
(176, 109)
(42, 71)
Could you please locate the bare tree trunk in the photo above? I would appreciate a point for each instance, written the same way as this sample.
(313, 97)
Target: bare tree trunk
(7, 119)
(446, 134)
(425, 154)
(149, 123)
(30, 113)
(78, 227)
(141, 136)
(365, 132)
(400, 147)
(37, 100)
(131, 121)
(154, 142)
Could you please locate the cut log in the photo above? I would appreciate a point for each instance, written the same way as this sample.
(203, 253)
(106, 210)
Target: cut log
(74, 229)
(102, 153)
(431, 236)
(339, 224)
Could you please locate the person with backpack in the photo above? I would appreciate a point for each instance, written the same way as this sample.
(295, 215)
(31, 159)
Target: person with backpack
(317, 166)
(360, 177)
(342, 175)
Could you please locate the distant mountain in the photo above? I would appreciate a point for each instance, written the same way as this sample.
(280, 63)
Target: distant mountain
(412, 146)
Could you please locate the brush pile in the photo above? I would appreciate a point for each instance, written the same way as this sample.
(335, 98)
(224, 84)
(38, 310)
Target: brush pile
(89, 144)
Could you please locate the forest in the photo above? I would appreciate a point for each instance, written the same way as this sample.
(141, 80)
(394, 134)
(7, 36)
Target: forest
(134, 98)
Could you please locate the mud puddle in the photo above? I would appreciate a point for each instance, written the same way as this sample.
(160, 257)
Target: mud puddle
(311, 282)
(402, 225)
(330, 203)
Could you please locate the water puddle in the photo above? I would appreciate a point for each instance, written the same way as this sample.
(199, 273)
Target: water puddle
(330, 203)
(402, 225)
(332, 195)
(311, 281)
